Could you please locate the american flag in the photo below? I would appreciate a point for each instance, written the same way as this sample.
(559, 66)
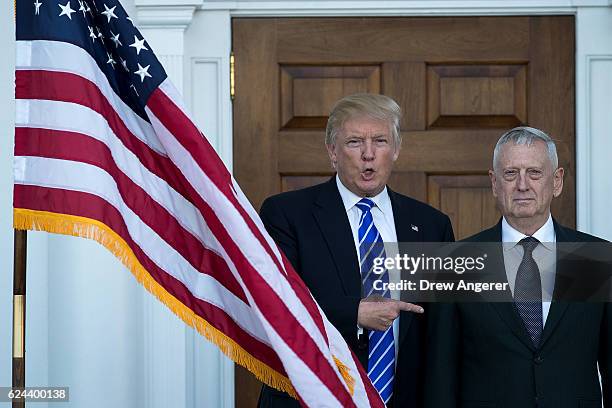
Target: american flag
(105, 149)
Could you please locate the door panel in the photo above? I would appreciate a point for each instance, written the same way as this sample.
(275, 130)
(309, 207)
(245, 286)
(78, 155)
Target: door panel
(309, 92)
(460, 81)
(467, 200)
(476, 96)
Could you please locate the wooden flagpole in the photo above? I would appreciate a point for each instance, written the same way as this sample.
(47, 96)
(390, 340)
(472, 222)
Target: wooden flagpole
(19, 304)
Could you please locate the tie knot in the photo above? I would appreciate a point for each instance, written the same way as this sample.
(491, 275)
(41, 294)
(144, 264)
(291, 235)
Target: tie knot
(365, 205)
(529, 244)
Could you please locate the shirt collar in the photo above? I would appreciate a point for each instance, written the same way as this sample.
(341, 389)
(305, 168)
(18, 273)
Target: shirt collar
(546, 234)
(349, 199)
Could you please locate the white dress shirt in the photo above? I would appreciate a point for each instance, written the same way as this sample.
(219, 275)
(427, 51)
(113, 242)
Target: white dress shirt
(545, 256)
(382, 215)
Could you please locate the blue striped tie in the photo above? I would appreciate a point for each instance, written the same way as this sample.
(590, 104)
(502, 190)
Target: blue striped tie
(381, 351)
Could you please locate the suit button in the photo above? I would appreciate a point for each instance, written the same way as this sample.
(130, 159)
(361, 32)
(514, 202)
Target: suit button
(538, 360)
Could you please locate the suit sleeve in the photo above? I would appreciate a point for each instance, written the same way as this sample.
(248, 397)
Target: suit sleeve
(341, 310)
(442, 356)
(605, 356)
(449, 235)
(277, 225)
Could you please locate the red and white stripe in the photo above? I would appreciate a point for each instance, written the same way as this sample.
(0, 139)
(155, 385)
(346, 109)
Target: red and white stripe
(161, 187)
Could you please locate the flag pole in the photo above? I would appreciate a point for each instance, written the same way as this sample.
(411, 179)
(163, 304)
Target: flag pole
(19, 304)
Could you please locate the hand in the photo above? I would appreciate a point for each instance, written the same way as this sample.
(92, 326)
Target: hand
(378, 313)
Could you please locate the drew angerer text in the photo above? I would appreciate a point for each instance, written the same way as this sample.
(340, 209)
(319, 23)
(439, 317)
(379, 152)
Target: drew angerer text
(426, 285)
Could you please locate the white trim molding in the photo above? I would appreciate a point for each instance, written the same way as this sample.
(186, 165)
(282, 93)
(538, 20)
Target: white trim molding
(399, 7)
(165, 16)
(166, 13)
(209, 109)
(594, 187)
(593, 119)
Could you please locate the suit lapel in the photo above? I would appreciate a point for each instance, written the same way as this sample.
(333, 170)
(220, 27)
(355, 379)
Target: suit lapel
(506, 310)
(406, 231)
(330, 215)
(557, 309)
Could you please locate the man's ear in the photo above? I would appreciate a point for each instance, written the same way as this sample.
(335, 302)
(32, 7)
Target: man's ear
(331, 151)
(493, 180)
(397, 151)
(558, 181)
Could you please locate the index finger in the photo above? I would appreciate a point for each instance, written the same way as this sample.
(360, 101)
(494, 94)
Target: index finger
(409, 307)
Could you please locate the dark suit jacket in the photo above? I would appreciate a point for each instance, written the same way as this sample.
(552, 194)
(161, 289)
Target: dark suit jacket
(312, 228)
(480, 354)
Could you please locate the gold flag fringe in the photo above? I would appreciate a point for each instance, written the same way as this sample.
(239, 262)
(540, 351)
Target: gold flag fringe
(24, 219)
(346, 374)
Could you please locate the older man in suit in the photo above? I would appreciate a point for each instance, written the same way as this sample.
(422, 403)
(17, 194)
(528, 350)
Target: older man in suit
(329, 233)
(530, 351)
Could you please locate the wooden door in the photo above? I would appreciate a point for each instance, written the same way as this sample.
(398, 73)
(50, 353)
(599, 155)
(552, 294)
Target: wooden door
(461, 82)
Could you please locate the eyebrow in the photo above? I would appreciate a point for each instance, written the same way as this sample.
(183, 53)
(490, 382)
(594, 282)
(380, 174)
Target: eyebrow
(366, 137)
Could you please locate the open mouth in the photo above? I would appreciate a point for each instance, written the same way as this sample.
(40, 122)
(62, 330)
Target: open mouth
(368, 174)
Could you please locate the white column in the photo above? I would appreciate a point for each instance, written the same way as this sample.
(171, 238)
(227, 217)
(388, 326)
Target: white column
(37, 315)
(94, 314)
(207, 94)
(181, 367)
(165, 336)
(594, 119)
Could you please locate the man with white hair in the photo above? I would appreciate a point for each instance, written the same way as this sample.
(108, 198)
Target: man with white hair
(530, 351)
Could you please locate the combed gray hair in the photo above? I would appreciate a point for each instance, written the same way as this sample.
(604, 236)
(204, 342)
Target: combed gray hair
(376, 106)
(525, 135)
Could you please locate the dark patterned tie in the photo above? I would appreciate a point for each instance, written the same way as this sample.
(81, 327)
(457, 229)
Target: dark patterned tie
(528, 291)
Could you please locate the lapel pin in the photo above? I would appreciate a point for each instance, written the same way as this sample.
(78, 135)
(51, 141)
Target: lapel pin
(414, 227)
